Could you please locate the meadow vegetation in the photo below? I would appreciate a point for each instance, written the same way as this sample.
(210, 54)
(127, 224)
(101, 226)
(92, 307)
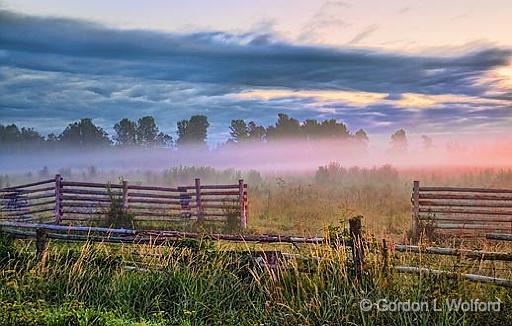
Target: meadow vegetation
(205, 283)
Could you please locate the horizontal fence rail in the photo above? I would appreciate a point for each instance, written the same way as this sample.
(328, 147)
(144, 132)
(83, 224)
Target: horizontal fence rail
(28, 202)
(460, 211)
(474, 254)
(63, 202)
(460, 253)
(470, 277)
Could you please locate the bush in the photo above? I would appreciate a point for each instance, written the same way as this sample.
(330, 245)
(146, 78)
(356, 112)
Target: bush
(116, 216)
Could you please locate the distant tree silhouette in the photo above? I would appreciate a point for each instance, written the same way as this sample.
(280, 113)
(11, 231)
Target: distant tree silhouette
(290, 128)
(239, 131)
(285, 128)
(84, 133)
(163, 139)
(399, 141)
(256, 133)
(13, 139)
(147, 132)
(193, 132)
(126, 133)
(148, 135)
(44, 172)
(312, 129)
(333, 130)
(427, 143)
(361, 137)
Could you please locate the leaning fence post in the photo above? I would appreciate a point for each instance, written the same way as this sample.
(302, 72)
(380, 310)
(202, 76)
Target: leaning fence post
(40, 243)
(243, 216)
(58, 198)
(199, 204)
(415, 228)
(125, 196)
(357, 244)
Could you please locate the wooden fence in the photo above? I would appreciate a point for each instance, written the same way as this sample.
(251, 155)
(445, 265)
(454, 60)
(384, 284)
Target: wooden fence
(462, 211)
(66, 202)
(33, 201)
(480, 255)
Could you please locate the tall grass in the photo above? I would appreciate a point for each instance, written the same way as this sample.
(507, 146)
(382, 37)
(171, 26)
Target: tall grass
(198, 283)
(97, 284)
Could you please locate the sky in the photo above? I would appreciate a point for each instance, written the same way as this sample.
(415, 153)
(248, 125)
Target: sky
(431, 67)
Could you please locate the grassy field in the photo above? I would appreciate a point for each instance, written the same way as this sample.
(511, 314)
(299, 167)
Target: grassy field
(204, 283)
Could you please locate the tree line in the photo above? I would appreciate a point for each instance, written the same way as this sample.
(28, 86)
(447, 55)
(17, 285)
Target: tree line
(190, 132)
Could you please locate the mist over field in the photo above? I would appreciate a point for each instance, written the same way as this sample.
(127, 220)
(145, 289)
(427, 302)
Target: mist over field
(285, 157)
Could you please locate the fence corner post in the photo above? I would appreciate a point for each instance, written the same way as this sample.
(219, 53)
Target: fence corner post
(40, 243)
(357, 244)
(199, 204)
(243, 213)
(125, 196)
(58, 198)
(415, 227)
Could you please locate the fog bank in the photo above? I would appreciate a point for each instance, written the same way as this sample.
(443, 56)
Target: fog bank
(284, 156)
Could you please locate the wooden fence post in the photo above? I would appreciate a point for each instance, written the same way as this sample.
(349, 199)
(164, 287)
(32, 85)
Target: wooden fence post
(357, 244)
(385, 255)
(125, 196)
(415, 228)
(199, 204)
(246, 206)
(40, 243)
(58, 198)
(243, 216)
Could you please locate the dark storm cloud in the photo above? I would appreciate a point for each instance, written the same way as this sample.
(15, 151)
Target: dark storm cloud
(51, 44)
(53, 71)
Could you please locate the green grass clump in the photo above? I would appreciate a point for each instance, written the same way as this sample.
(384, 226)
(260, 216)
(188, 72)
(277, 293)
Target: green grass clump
(97, 284)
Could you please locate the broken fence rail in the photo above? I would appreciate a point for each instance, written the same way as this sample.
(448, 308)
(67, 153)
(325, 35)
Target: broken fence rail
(469, 277)
(151, 234)
(477, 254)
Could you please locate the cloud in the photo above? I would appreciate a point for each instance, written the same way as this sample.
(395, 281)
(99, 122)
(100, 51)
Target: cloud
(246, 60)
(364, 34)
(69, 69)
(326, 18)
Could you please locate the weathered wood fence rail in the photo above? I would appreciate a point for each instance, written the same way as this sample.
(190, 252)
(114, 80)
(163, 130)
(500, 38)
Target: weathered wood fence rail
(62, 202)
(462, 211)
(473, 254)
(462, 253)
(28, 202)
